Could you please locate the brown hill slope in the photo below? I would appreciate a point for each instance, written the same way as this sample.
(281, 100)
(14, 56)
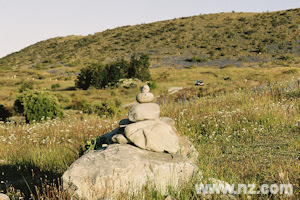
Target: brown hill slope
(235, 36)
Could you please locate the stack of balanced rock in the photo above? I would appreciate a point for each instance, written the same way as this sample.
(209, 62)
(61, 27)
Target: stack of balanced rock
(144, 127)
(144, 150)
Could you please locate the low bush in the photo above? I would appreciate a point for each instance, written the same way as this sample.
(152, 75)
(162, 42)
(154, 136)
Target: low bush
(37, 106)
(54, 86)
(81, 104)
(4, 113)
(290, 71)
(263, 49)
(287, 57)
(62, 98)
(196, 59)
(26, 86)
(107, 108)
(152, 85)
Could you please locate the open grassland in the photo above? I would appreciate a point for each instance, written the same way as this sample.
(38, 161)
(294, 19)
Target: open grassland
(244, 122)
(216, 80)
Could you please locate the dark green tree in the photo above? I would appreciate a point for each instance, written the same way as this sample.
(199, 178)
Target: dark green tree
(133, 69)
(84, 79)
(145, 64)
(99, 75)
(124, 66)
(113, 73)
(139, 67)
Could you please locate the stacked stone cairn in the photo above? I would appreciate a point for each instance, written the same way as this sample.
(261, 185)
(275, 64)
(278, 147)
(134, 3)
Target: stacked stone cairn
(145, 148)
(144, 127)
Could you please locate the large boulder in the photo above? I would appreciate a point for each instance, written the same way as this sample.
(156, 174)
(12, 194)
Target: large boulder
(3, 197)
(144, 111)
(123, 168)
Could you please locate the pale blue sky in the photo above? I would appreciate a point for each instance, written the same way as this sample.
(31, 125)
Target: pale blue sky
(25, 22)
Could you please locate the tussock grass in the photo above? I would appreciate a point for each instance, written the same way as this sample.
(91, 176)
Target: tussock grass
(243, 136)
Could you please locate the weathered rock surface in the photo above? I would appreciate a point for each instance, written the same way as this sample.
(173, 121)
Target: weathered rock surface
(119, 138)
(146, 97)
(145, 89)
(185, 146)
(3, 197)
(144, 111)
(125, 168)
(153, 135)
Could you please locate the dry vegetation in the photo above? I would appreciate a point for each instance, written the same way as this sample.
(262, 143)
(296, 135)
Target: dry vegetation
(244, 122)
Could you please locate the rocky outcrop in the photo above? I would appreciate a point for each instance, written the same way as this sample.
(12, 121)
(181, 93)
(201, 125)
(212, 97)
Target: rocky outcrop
(123, 168)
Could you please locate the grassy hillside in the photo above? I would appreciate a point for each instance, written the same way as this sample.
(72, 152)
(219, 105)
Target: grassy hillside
(235, 36)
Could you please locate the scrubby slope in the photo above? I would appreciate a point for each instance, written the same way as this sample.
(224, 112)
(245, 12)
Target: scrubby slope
(216, 36)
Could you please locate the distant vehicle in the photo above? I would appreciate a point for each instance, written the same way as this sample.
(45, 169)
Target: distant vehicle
(199, 82)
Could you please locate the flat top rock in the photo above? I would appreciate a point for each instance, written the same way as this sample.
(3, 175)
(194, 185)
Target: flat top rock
(125, 168)
(144, 111)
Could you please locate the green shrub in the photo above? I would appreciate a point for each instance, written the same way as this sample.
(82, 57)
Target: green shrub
(108, 108)
(113, 93)
(41, 76)
(242, 19)
(263, 49)
(152, 85)
(196, 59)
(92, 144)
(139, 68)
(4, 113)
(37, 106)
(62, 98)
(100, 75)
(290, 71)
(82, 105)
(54, 86)
(295, 26)
(26, 86)
(287, 57)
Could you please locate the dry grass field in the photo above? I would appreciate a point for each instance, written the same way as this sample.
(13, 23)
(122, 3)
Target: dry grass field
(244, 121)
